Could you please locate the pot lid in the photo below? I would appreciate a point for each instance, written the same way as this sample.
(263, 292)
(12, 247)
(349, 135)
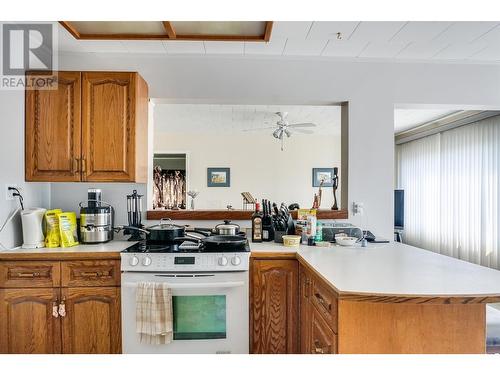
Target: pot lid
(227, 225)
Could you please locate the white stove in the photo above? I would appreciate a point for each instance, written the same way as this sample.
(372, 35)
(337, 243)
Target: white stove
(210, 297)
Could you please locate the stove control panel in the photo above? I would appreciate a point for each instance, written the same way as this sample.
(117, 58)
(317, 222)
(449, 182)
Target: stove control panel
(156, 262)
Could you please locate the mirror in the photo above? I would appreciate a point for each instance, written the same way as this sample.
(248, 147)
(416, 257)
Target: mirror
(217, 152)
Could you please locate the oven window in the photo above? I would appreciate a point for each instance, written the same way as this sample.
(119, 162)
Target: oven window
(199, 317)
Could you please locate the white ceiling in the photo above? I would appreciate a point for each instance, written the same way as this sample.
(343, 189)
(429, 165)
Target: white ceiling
(401, 41)
(405, 119)
(234, 119)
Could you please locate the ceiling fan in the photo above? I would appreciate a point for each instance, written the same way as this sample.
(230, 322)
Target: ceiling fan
(284, 128)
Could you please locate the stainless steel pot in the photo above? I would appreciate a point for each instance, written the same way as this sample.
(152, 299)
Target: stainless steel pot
(227, 229)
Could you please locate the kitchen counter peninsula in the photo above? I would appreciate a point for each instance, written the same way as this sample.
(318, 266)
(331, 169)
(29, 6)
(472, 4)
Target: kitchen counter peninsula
(385, 298)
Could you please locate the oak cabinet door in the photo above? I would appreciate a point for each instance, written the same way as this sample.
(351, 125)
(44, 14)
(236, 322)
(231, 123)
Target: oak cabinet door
(53, 130)
(92, 324)
(108, 126)
(274, 306)
(26, 322)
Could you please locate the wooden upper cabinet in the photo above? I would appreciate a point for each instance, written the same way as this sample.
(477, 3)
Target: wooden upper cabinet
(274, 306)
(92, 128)
(26, 322)
(53, 131)
(113, 148)
(92, 324)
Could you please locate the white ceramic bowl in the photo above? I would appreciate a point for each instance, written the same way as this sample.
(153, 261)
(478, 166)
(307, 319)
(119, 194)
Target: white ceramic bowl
(346, 241)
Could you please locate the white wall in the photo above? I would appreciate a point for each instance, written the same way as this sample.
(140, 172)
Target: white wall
(257, 165)
(372, 89)
(12, 166)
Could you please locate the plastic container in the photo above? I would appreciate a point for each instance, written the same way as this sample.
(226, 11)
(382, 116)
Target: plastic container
(291, 241)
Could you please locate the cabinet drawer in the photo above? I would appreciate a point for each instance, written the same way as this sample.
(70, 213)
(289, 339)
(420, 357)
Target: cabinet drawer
(325, 301)
(25, 274)
(323, 339)
(90, 273)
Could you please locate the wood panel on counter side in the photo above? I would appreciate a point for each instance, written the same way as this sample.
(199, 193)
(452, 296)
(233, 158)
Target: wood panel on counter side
(230, 214)
(274, 306)
(407, 328)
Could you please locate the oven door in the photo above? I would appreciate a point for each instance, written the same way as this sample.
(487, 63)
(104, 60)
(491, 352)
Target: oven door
(210, 312)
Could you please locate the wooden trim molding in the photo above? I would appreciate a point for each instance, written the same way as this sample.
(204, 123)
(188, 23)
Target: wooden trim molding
(170, 34)
(230, 214)
(169, 29)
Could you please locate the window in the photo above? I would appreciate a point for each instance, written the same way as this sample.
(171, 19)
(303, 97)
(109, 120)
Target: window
(451, 182)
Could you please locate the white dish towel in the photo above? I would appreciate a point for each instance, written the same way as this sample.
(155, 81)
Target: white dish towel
(154, 313)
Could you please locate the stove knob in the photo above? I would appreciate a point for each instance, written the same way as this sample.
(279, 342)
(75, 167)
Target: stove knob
(236, 260)
(134, 261)
(146, 261)
(222, 261)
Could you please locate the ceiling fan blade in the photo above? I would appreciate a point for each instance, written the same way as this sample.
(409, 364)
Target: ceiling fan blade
(257, 129)
(288, 133)
(303, 131)
(302, 125)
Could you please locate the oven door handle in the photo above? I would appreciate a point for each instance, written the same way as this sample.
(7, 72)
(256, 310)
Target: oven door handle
(173, 286)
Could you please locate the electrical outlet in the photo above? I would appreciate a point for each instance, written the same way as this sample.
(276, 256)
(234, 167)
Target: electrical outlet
(9, 194)
(358, 208)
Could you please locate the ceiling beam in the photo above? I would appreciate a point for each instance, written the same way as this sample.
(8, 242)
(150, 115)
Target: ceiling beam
(68, 26)
(268, 30)
(169, 29)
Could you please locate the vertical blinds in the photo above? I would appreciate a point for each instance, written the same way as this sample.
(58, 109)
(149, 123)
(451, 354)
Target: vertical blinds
(451, 183)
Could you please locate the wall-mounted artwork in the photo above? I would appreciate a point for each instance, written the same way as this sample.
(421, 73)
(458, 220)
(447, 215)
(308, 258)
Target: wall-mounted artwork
(218, 177)
(322, 174)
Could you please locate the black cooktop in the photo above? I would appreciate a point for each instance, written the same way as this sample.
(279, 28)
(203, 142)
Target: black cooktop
(147, 247)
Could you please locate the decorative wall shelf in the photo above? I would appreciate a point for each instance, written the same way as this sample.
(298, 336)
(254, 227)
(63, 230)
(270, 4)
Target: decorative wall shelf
(230, 214)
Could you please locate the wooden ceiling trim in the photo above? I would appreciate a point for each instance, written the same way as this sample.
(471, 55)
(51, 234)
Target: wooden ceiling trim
(171, 35)
(267, 32)
(68, 26)
(169, 29)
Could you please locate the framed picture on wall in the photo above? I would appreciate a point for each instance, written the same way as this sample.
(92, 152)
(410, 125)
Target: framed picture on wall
(322, 174)
(218, 177)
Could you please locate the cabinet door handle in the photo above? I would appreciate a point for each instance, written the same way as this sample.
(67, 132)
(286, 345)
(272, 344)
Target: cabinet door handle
(321, 300)
(28, 274)
(307, 282)
(90, 274)
(84, 166)
(55, 311)
(62, 308)
(76, 164)
(317, 348)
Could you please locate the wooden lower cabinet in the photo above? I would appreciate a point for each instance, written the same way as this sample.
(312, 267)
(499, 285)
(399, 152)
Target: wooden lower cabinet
(318, 315)
(26, 322)
(92, 321)
(79, 319)
(274, 306)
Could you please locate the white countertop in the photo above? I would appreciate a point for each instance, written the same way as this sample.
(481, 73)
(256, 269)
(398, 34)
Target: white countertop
(112, 246)
(394, 269)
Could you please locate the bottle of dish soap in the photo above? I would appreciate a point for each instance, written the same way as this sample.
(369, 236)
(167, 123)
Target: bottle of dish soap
(319, 232)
